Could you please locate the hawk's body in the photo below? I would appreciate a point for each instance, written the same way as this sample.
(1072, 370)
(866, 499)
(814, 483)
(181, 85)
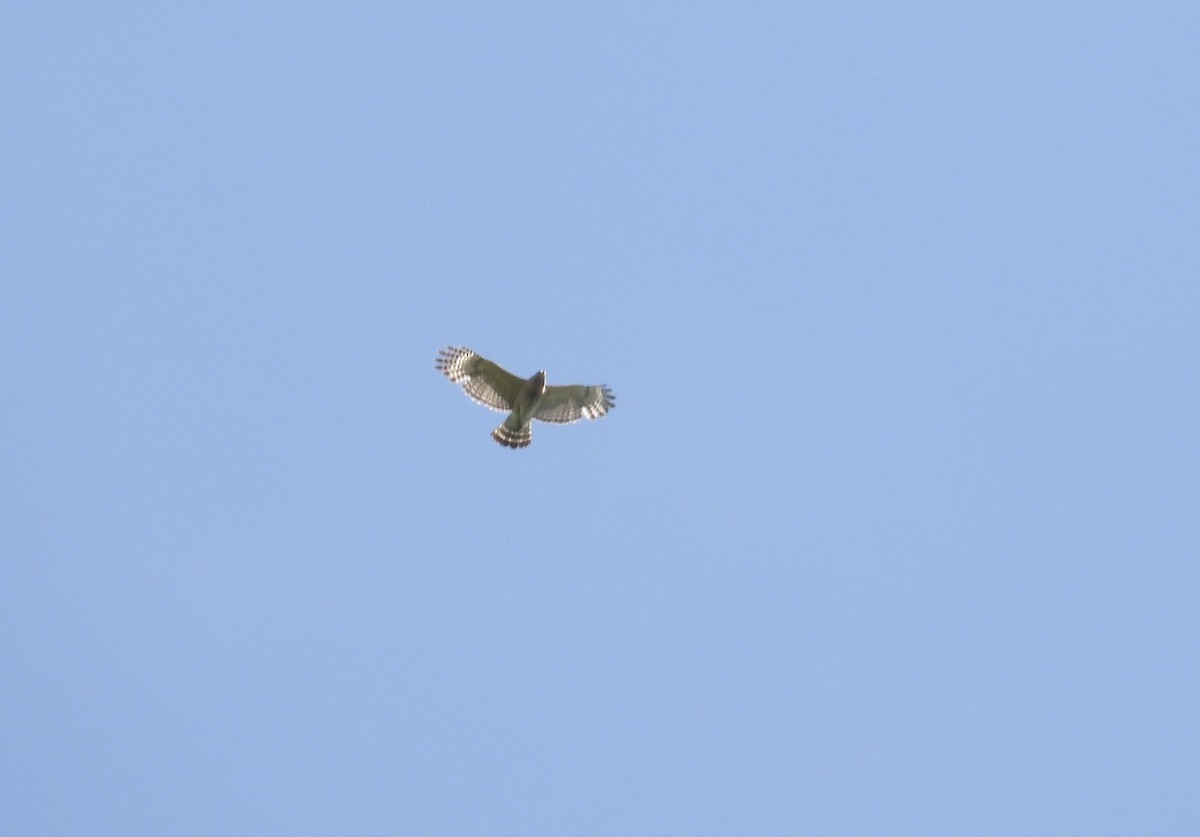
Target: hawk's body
(523, 400)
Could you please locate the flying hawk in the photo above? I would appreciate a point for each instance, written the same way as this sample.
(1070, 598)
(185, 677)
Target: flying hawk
(523, 400)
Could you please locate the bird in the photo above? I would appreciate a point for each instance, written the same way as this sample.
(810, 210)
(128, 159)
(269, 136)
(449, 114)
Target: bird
(523, 400)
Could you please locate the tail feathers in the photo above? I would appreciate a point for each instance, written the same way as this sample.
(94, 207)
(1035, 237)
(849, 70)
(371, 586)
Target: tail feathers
(513, 438)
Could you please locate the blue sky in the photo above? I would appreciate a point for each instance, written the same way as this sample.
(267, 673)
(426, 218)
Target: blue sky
(893, 529)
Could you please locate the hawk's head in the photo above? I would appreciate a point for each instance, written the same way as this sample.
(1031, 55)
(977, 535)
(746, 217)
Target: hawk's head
(539, 380)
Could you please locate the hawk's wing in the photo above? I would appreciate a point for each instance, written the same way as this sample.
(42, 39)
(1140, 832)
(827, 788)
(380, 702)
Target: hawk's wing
(567, 404)
(481, 379)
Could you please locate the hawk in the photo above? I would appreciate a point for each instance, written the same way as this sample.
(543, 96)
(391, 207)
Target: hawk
(523, 400)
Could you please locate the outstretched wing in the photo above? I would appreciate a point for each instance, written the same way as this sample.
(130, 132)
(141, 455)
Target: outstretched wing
(481, 379)
(567, 404)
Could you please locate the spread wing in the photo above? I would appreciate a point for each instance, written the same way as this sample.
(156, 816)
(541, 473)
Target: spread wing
(481, 379)
(567, 404)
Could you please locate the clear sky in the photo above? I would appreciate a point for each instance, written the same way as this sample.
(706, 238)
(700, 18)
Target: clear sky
(894, 528)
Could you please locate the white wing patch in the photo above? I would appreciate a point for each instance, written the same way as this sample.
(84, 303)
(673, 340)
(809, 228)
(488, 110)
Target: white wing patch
(563, 405)
(482, 380)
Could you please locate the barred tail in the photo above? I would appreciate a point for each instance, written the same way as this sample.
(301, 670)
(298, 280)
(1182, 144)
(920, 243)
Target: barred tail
(520, 438)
